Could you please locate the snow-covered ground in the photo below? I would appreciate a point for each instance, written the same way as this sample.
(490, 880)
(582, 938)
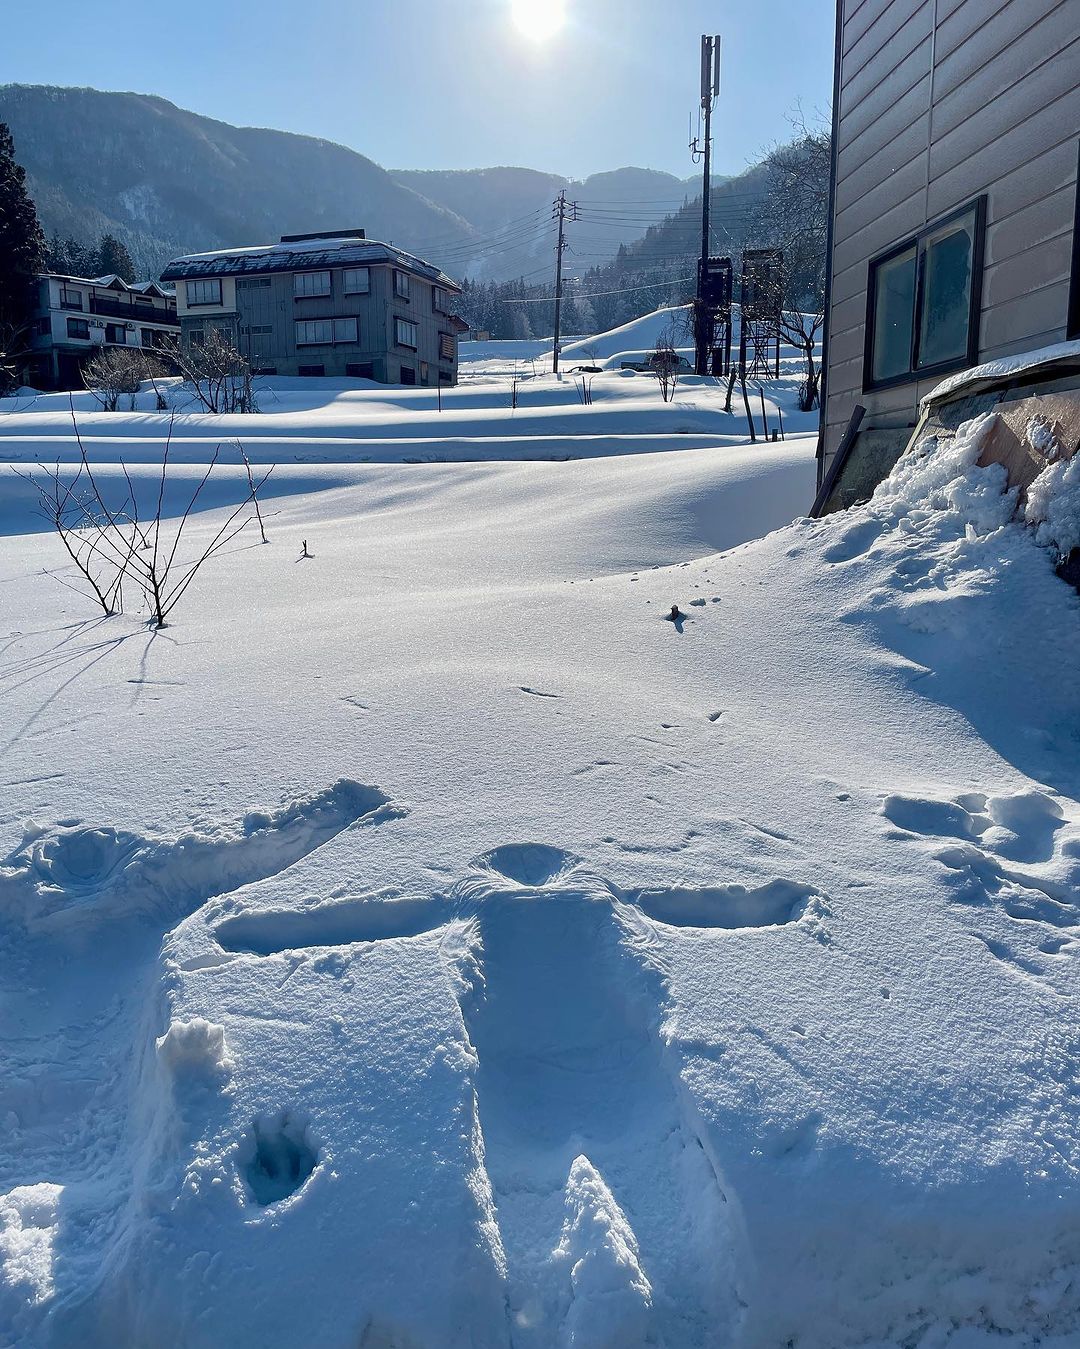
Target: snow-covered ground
(426, 944)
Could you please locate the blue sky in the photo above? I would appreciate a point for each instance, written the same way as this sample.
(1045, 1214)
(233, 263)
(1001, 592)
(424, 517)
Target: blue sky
(449, 83)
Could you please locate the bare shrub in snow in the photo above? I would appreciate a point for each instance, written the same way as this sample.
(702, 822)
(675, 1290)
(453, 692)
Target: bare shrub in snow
(218, 373)
(665, 361)
(112, 547)
(113, 372)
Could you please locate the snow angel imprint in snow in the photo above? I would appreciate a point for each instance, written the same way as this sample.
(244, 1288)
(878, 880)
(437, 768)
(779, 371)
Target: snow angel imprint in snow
(599, 1169)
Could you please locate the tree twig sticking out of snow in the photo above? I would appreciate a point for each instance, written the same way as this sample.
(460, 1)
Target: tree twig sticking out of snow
(110, 545)
(254, 494)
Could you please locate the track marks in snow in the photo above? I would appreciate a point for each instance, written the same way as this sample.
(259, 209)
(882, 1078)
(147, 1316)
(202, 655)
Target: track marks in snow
(79, 875)
(1033, 909)
(537, 693)
(614, 1227)
(278, 1156)
(727, 906)
(265, 932)
(528, 863)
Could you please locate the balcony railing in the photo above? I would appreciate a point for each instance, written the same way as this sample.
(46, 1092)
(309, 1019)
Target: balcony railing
(134, 313)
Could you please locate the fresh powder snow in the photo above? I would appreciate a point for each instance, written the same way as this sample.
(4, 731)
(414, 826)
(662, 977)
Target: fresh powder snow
(420, 944)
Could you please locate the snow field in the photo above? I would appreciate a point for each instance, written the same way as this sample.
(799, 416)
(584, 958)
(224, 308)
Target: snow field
(428, 926)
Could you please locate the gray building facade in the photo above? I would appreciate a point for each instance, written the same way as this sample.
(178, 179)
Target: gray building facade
(76, 316)
(954, 217)
(338, 305)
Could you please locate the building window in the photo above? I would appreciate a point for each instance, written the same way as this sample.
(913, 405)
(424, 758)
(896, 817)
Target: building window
(323, 332)
(408, 374)
(440, 300)
(305, 284)
(923, 299)
(314, 332)
(79, 328)
(360, 369)
(446, 347)
(196, 337)
(315, 370)
(114, 332)
(405, 333)
(204, 292)
(261, 330)
(357, 280)
(423, 372)
(70, 299)
(401, 285)
(253, 283)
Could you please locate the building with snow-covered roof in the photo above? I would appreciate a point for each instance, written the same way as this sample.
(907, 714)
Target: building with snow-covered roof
(78, 315)
(954, 237)
(336, 304)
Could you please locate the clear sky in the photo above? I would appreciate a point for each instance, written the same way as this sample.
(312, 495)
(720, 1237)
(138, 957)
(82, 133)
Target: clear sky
(450, 83)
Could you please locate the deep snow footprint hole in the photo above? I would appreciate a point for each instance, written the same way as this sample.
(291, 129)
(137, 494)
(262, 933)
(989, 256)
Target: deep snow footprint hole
(277, 1156)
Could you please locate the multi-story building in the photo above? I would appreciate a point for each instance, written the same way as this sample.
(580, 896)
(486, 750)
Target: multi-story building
(77, 315)
(335, 304)
(955, 223)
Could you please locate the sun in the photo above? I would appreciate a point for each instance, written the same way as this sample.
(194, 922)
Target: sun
(539, 20)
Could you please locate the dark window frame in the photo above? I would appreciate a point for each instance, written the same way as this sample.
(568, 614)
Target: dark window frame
(334, 340)
(404, 278)
(71, 299)
(407, 346)
(970, 357)
(326, 294)
(1072, 324)
(203, 281)
(346, 289)
(83, 336)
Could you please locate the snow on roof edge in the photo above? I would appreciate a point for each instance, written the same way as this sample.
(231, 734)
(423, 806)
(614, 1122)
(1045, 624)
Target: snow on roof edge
(1005, 367)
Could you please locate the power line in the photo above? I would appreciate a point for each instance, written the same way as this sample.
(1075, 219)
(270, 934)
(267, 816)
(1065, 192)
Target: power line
(595, 294)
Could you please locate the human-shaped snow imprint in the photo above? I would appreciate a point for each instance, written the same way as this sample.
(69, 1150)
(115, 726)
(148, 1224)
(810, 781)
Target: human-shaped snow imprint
(615, 1227)
(613, 1219)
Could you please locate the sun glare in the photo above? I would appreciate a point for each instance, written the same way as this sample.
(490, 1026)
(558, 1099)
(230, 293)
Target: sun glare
(539, 20)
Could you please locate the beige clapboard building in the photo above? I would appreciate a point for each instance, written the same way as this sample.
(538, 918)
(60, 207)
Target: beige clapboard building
(954, 226)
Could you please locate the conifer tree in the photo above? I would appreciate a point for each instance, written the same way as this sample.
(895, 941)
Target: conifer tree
(22, 243)
(114, 259)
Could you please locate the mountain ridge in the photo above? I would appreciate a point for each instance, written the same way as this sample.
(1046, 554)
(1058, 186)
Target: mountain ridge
(169, 181)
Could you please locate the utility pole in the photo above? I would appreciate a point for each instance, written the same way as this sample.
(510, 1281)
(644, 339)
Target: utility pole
(710, 88)
(562, 210)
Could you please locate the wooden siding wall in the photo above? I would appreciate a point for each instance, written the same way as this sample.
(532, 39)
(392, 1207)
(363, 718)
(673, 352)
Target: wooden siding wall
(940, 101)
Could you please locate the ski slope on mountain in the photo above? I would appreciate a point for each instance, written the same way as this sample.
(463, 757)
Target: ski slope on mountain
(424, 943)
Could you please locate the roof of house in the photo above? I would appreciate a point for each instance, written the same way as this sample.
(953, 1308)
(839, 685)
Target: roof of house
(302, 255)
(113, 282)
